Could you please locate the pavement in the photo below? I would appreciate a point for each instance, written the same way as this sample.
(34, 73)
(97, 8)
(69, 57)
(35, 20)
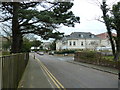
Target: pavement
(34, 76)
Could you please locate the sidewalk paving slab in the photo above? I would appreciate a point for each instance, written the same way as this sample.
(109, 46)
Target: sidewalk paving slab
(33, 76)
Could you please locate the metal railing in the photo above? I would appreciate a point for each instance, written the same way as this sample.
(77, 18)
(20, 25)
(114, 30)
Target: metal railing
(12, 68)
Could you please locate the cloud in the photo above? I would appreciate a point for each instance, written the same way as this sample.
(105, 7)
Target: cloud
(87, 10)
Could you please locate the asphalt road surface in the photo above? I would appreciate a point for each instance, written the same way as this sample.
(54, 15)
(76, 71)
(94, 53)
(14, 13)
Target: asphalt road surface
(76, 76)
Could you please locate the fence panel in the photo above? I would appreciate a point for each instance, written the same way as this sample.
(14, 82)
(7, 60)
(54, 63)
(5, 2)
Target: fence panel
(0, 72)
(12, 68)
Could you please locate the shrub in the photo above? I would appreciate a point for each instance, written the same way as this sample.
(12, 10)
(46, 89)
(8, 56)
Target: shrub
(65, 51)
(5, 53)
(96, 58)
(89, 55)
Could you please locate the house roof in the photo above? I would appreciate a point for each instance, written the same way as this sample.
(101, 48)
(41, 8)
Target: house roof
(81, 35)
(104, 35)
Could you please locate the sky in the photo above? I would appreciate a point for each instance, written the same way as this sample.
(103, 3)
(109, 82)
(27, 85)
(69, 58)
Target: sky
(88, 11)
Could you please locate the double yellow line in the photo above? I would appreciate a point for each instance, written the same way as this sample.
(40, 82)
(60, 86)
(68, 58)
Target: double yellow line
(50, 75)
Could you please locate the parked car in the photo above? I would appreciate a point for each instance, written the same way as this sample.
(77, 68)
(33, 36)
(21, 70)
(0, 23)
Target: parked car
(41, 53)
(51, 53)
(103, 48)
(65, 54)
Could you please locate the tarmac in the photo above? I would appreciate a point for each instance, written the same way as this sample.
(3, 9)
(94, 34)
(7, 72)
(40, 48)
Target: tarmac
(100, 68)
(35, 77)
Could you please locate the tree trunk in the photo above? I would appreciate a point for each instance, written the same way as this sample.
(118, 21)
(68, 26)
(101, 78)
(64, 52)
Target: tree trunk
(107, 23)
(117, 56)
(16, 34)
(112, 42)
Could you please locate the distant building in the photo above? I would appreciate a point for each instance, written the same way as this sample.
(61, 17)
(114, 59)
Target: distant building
(46, 45)
(78, 40)
(2, 42)
(104, 35)
(104, 39)
(84, 40)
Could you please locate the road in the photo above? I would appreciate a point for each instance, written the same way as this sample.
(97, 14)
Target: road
(76, 76)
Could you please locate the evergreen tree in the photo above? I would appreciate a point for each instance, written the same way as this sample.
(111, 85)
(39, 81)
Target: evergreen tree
(25, 18)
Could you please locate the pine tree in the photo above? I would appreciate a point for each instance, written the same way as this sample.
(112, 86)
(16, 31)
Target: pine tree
(25, 19)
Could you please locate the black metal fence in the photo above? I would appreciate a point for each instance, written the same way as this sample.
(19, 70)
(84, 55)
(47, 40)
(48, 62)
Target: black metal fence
(13, 67)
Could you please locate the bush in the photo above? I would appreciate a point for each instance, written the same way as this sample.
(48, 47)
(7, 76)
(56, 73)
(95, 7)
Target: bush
(5, 53)
(96, 58)
(65, 51)
(88, 54)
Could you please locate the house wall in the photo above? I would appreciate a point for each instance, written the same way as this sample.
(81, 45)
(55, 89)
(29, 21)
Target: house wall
(75, 44)
(105, 42)
(82, 44)
(58, 45)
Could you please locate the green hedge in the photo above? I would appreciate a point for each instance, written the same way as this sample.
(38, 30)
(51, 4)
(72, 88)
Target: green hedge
(65, 51)
(5, 53)
(96, 58)
(89, 55)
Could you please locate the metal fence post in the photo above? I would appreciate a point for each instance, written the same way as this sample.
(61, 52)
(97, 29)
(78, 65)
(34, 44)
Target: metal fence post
(34, 55)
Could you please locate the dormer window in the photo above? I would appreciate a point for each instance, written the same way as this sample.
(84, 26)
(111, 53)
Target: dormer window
(92, 36)
(80, 35)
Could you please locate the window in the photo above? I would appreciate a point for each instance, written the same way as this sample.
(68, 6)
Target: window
(92, 36)
(70, 43)
(80, 35)
(81, 43)
(74, 43)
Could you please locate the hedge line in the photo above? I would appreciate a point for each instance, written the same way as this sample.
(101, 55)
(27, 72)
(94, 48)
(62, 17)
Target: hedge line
(65, 51)
(95, 58)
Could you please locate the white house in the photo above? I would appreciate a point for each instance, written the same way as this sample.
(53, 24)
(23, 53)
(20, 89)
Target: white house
(84, 40)
(46, 45)
(78, 40)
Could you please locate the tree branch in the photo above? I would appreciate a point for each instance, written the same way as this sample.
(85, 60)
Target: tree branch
(25, 23)
(5, 19)
(28, 32)
(5, 5)
(100, 20)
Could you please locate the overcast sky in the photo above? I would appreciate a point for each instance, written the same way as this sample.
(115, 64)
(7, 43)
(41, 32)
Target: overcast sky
(87, 10)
